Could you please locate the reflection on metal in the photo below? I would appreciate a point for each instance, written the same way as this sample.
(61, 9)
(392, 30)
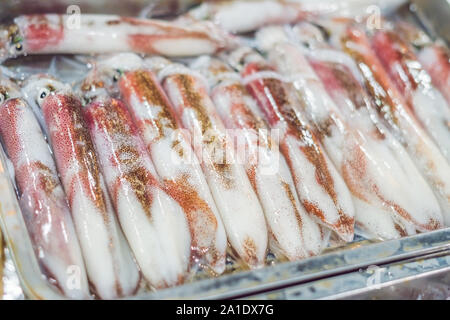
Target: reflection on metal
(340, 262)
(434, 286)
(424, 278)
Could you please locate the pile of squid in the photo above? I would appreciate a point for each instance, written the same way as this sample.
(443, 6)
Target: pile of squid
(136, 174)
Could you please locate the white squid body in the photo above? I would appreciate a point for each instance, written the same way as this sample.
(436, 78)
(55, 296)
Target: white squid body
(42, 198)
(432, 110)
(396, 172)
(176, 164)
(420, 147)
(108, 259)
(428, 104)
(434, 58)
(320, 188)
(152, 221)
(388, 162)
(169, 150)
(364, 170)
(244, 16)
(90, 33)
(238, 204)
(293, 233)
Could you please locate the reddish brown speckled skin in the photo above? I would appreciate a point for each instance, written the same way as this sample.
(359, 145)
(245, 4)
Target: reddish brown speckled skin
(393, 109)
(241, 116)
(43, 202)
(337, 78)
(59, 33)
(9, 112)
(31, 176)
(145, 42)
(384, 93)
(274, 102)
(72, 143)
(39, 34)
(111, 118)
(81, 177)
(400, 62)
(406, 70)
(144, 85)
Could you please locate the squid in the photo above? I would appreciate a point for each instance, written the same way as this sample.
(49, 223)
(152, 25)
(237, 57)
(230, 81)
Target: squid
(426, 102)
(397, 116)
(152, 221)
(110, 265)
(91, 34)
(169, 149)
(320, 188)
(380, 184)
(41, 196)
(244, 16)
(240, 209)
(293, 233)
(433, 55)
(435, 59)
(182, 175)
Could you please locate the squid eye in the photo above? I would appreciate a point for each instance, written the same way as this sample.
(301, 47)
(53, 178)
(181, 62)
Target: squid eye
(4, 96)
(118, 73)
(45, 92)
(16, 42)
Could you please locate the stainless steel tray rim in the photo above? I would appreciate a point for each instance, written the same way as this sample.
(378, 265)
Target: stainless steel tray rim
(291, 273)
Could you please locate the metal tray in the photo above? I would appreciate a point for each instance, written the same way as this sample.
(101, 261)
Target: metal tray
(424, 276)
(337, 273)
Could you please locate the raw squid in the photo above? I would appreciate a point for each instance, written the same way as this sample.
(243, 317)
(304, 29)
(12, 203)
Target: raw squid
(152, 221)
(294, 234)
(244, 16)
(375, 187)
(407, 73)
(320, 188)
(42, 199)
(172, 155)
(436, 60)
(433, 55)
(238, 204)
(109, 263)
(391, 106)
(169, 149)
(89, 34)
